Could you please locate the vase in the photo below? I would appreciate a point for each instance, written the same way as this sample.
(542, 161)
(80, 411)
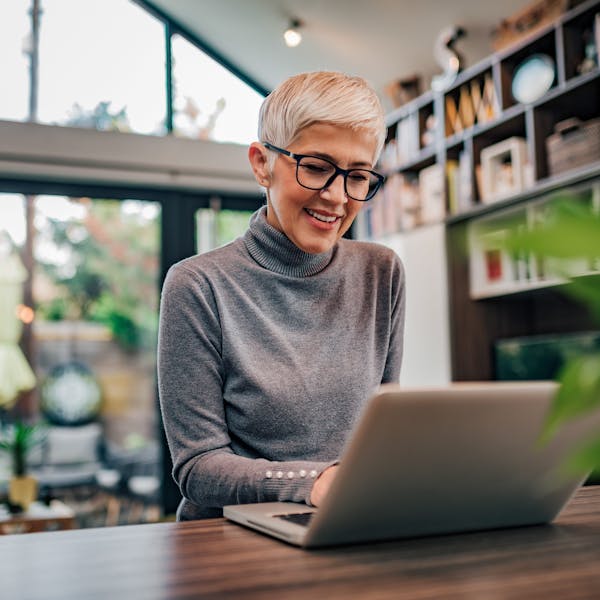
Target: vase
(22, 490)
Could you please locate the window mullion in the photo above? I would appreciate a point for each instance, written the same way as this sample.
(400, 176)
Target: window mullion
(169, 75)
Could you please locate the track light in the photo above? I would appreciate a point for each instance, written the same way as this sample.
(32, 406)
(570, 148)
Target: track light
(292, 35)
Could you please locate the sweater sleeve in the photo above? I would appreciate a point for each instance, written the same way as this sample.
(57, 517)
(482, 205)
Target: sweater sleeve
(397, 300)
(191, 378)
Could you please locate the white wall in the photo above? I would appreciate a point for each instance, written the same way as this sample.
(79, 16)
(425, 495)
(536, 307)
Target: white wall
(32, 151)
(427, 333)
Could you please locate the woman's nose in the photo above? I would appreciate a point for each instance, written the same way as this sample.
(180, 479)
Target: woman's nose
(335, 191)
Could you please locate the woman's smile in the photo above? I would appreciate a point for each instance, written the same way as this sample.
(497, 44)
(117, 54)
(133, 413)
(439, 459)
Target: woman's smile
(323, 219)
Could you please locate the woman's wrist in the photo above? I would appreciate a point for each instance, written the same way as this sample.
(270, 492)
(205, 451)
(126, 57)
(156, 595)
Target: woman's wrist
(321, 485)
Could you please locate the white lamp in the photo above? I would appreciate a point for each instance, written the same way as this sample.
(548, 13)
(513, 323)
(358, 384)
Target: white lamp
(292, 35)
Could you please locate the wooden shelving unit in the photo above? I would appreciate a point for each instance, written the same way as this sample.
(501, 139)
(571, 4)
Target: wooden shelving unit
(494, 271)
(530, 303)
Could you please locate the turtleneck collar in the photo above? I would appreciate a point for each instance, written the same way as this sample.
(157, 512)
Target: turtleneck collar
(273, 250)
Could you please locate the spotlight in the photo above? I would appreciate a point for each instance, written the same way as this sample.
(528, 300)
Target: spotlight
(292, 35)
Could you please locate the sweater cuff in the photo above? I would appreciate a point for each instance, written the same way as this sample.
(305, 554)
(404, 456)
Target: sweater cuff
(290, 481)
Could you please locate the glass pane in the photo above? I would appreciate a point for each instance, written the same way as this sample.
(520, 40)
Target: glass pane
(14, 65)
(209, 101)
(95, 289)
(12, 222)
(102, 66)
(216, 228)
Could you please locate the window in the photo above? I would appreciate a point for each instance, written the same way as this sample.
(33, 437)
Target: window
(102, 66)
(215, 228)
(95, 294)
(14, 66)
(209, 101)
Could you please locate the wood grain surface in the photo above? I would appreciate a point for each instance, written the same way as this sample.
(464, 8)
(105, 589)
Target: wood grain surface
(218, 559)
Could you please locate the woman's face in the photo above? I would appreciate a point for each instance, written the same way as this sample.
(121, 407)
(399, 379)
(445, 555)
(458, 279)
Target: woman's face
(305, 216)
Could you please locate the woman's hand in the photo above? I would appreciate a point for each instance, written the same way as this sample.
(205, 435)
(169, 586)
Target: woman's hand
(322, 484)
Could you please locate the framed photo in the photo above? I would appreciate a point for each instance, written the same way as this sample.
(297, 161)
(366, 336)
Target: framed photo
(503, 169)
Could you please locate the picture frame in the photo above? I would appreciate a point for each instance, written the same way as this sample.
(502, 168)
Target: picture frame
(503, 169)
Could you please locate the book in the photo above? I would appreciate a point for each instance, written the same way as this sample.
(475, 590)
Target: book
(465, 108)
(408, 202)
(476, 98)
(407, 139)
(498, 267)
(376, 219)
(432, 194)
(452, 184)
(465, 182)
(488, 106)
(451, 117)
(393, 202)
(387, 198)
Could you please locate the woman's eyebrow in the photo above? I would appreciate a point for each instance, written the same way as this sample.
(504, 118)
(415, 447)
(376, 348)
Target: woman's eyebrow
(330, 158)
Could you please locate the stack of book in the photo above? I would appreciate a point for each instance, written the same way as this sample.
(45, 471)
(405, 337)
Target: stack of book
(476, 102)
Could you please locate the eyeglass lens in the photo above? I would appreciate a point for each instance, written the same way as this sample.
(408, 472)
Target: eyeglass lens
(314, 173)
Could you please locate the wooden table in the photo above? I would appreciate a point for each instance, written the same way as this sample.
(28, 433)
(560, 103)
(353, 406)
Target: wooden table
(38, 517)
(217, 559)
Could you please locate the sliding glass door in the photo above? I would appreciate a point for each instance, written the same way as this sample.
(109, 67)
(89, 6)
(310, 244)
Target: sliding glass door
(94, 271)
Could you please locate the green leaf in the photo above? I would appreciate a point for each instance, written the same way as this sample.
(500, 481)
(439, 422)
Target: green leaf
(569, 231)
(587, 458)
(587, 291)
(579, 392)
(22, 437)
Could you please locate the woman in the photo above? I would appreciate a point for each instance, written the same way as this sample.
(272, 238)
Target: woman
(270, 346)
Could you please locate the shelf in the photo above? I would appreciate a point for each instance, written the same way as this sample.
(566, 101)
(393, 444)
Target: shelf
(508, 289)
(577, 11)
(543, 43)
(578, 30)
(480, 128)
(571, 85)
(543, 187)
(425, 157)
(470, 73)
(492, 293)
(410, 107)
(496, 271)
(513, 288)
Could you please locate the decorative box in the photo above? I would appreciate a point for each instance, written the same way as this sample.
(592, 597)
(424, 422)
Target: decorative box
(573, 144)
(535, 16)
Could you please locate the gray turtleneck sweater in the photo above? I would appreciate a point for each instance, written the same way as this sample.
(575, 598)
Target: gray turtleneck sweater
(267, 356)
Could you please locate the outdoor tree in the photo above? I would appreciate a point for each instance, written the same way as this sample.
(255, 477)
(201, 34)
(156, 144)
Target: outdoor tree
(108, 258)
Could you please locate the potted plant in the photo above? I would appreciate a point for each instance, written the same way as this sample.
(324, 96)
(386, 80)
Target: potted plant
(571, 233)
(18, 439)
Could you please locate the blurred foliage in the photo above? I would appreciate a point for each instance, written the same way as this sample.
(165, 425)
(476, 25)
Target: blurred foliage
(109, 267)
(17, 439)
(215, 228)
(100, 118)
(108, 271)
(230, 225)
(570, 234)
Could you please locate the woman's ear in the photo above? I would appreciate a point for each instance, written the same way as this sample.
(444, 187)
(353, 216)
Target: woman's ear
(257, 155)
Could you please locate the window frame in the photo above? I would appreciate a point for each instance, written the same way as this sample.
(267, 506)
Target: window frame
(173, 27)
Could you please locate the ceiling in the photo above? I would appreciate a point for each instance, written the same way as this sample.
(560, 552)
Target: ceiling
(381, 40)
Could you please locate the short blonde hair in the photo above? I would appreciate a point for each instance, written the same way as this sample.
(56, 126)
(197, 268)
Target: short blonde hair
(320, 97)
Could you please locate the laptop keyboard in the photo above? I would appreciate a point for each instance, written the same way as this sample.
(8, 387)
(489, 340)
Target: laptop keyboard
(298, 518)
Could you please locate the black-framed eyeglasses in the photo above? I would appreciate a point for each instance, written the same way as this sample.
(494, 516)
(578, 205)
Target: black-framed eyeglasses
(316, 173)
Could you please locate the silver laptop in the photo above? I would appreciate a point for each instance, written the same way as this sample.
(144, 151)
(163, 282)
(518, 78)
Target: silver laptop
(433, 461)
